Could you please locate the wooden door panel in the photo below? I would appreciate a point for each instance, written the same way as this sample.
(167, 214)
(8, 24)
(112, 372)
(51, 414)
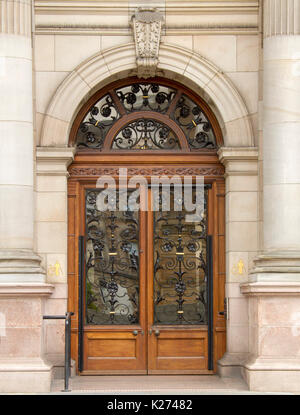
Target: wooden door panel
(113, 351)
(176, 350)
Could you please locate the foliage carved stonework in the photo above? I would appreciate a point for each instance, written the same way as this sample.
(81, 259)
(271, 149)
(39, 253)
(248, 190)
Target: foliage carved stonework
(146, 171)
(147, 29)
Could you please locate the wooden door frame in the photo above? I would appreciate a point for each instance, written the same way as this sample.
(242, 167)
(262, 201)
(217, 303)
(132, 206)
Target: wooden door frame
(86, 169)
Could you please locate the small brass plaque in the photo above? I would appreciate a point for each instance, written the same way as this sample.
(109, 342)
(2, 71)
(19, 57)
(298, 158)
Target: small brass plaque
(238, 268)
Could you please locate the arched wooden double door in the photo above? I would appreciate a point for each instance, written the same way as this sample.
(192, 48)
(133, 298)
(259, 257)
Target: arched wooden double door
(146, 282)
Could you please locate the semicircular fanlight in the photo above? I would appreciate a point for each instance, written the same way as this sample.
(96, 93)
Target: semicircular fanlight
(144, 133)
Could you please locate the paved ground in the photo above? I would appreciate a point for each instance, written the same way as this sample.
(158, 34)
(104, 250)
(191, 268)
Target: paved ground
(153, 385)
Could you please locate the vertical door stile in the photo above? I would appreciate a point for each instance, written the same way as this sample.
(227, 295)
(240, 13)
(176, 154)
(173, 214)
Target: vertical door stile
(210, 301)
(149, 277)
(143, 279)
(80, 301)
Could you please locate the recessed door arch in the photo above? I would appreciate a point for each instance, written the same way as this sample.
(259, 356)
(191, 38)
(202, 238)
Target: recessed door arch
(145, 343)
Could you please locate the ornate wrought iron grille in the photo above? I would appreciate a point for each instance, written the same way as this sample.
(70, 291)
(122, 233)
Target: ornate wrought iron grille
(194, 123)
(146, 134)
(146, 97)
(180, 267)
(97, 122)
(168, 103)
(112, 264)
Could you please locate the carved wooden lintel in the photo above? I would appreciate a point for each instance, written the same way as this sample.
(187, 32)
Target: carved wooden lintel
(148, 171)
(146, 24)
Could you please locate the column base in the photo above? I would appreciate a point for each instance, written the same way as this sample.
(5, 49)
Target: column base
(25, 376)
(230, 365)
(22, 266)
(273, 375)
(276, 266)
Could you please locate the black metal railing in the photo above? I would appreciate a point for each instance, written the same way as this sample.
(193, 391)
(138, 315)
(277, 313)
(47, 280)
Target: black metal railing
(67, 318)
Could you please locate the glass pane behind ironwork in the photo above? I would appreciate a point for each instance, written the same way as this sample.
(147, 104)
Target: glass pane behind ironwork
(180, 272)
(112, 264)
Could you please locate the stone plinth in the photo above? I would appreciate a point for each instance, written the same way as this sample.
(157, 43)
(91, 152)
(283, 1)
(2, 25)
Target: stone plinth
(22, 367)
(274, 333)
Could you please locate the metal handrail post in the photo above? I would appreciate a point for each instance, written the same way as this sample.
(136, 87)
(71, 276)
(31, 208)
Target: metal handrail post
(67, 374)
(67, 318)
(67, 350)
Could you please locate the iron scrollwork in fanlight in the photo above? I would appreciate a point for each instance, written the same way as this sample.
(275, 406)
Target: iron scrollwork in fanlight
(146, 134)
(146, 97)
(100, 118)
(143, 97)
(112, 265)
(194, 123)
(180, 269)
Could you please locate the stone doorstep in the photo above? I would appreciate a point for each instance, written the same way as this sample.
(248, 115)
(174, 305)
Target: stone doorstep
(168, 384)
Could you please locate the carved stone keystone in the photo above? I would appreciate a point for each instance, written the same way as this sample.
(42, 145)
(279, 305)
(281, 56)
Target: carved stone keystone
(146, 25)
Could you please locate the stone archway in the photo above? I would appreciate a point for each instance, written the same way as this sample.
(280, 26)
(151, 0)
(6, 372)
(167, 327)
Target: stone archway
(175, 62)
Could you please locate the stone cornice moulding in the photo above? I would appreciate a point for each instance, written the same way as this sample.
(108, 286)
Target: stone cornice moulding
(119, 5)
(111, 17)
(25, 290)
(239, 161)
(51, 161)
(238, 153)
(270, 288)
(146, 25)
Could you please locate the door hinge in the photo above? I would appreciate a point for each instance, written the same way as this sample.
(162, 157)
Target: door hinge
(225, 313)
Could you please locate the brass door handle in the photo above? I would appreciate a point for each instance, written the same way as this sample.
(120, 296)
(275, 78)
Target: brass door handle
(136, 332)
(156, 332)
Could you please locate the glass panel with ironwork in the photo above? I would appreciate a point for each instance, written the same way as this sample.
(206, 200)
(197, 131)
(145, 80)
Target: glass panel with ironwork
(100, 118)
(146, 97)
(112, 264)
(194, 123)
(180, 271)
(146, 134)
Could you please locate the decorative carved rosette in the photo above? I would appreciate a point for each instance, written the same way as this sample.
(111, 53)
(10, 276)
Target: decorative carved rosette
(146, 25)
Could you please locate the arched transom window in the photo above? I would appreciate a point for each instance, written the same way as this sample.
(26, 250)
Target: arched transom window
(145, 116)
